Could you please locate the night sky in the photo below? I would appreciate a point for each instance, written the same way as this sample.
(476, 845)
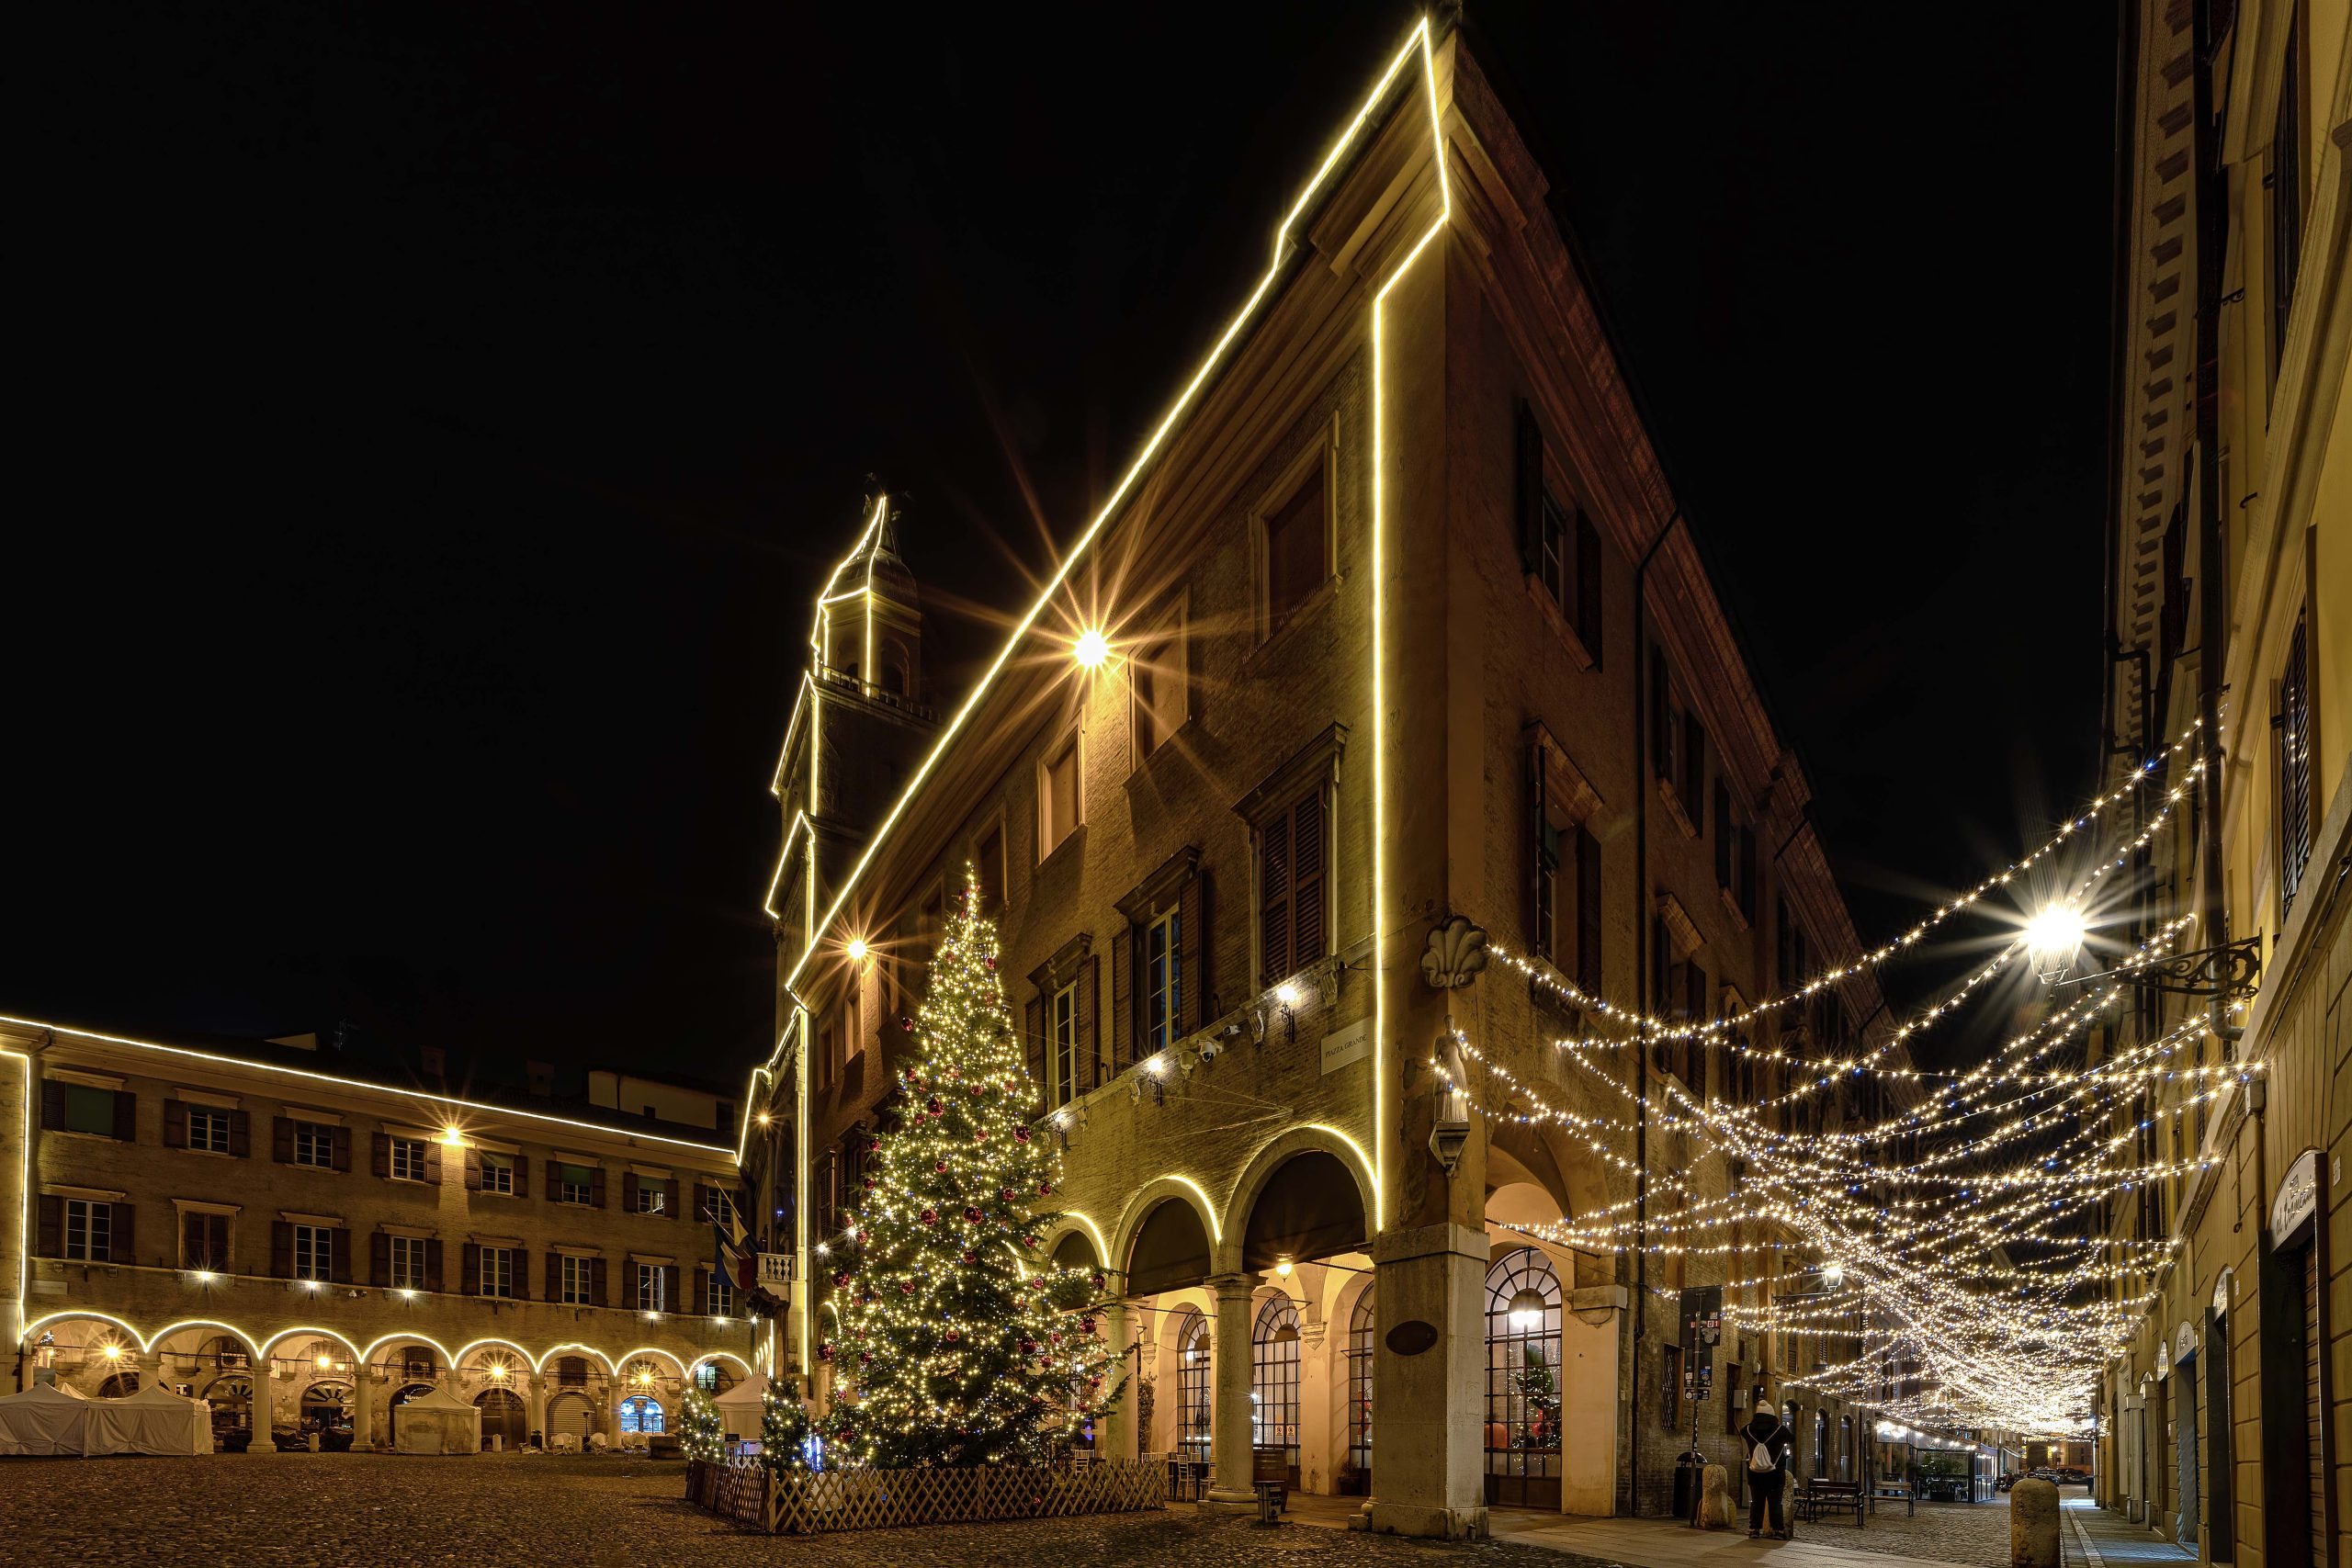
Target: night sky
(442, 412)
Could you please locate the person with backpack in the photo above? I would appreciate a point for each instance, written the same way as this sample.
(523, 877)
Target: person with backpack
(1766, 1442)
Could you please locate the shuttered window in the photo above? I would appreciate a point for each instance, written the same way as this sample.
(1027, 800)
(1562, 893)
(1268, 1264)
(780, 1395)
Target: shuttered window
(1063, 1047)
(2294, 768)
(89, 1230)
(1291, 888)
(1297, 550)
(404, 1262)
(1058, 796)
(1163, 980)
(204, 1242)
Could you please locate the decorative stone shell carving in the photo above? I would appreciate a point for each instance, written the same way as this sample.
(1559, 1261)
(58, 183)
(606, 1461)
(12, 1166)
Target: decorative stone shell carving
(1456, 952)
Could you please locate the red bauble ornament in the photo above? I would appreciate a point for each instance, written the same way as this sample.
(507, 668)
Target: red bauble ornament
(865, 1358)
(972, 1258)
(869, 1184)
(933, 1106)
(906, 1287)
(939, 1168)
(1099, 1281)
(875, 1148)
(982, 1136)
(953, 1336)
(906, 1023)
(1028, 1347)
(824, 1352)
(842, 1278)
(931, 1217)
(1006, 1195)
(972, 1216)
(1054, 1338)
(1021, 1134)
(1044, 1188)
(1085, 1326)
(1028, 1241)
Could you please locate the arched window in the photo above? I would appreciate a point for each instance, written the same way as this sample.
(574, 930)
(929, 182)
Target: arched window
(707, 1376)
(641, 1412)
(1360, 1385)
(1523, 1380)
(224, 1352)
(1274, 1379)
(326, 1407)
(1193, 1385)
(121, 1385)
(572, 1371)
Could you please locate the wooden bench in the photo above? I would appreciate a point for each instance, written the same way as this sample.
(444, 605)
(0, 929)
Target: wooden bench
(1817, 1498)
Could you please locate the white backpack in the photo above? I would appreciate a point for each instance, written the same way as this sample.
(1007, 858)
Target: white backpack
(1759, 1457)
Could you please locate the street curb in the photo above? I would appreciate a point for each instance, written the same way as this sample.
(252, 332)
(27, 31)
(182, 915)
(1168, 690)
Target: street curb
(2090, 1548)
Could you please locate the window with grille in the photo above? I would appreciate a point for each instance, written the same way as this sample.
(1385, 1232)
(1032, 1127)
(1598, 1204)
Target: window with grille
(408, 1159)
(313, 1252)
(1522, 1372)
(1274, 1379)
(1062, 1039)
(642, 1413)
(1193, 1385)
(1360, 1330)
(407, 1258)
(204, 1241)
(1163, 980)
(498, 1271)
(207, 1129)
(1291, 888)
(89, 1230)
(2294, 769)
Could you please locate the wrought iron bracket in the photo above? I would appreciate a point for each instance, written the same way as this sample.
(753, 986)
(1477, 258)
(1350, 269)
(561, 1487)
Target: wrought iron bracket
(2231, 972)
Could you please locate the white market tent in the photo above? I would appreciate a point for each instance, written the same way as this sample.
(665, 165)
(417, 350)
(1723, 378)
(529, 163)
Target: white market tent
(44, 1419)
(741, 1407)
(438, 1423)
(154, 1420)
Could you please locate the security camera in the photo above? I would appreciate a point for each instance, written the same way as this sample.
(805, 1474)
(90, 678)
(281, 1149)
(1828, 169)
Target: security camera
(1208, 1051)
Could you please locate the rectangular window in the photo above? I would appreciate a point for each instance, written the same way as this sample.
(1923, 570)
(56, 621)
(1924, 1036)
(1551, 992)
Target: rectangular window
(313, 1252)
(1695, 767)
(498, 1271)
(408, 1159)
(577, 1284)
(1062, 1022)
(207, 1129)
(1297, 552)
(718, 1295)
(314, 1147)
(1291, 927)
(649, 1281)
(204, 1241)
(1155, 673)
(498, 1173)
(407, 1254)
(652, 1197)
(89, 1230)
(89, 1110)
(1552, 552)
(574, 1184)
(2285, 197)
(1058, 796)
(1163, 980)
(1587, 969)
(2294, 768)
(990, 853)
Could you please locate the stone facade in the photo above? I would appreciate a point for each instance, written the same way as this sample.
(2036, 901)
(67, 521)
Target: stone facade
(1403, 624)
(2227, 1423)
(174, 1200)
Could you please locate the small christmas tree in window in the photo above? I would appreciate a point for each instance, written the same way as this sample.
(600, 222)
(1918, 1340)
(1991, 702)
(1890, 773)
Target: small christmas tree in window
(959, 1342)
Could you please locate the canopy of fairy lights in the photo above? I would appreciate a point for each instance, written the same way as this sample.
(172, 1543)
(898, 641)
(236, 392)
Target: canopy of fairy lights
(1948, 1264)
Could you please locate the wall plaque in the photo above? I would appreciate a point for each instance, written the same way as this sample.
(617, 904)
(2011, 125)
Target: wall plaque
(1412, 1336)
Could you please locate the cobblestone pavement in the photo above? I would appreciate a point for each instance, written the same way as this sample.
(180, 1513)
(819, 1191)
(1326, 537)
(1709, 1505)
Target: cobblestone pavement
(1976, 1534)
(384, 1509)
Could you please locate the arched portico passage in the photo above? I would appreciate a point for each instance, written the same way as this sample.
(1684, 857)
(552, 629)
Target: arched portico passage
(1170, 1250)
(1076, 1250)
(1310, 1207)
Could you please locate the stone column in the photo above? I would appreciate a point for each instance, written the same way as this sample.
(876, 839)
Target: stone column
(1430, 1404)
(151, 1369)
(363, 1408)
(1116, 1437)
(1229, 1488)
(1321, 1444)
(536, 1398)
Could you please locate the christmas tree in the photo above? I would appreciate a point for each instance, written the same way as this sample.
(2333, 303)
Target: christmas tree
(959, 1343)
(701, 1432)
(784, 1429)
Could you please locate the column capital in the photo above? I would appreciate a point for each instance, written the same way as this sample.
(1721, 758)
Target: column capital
(1227, 1287)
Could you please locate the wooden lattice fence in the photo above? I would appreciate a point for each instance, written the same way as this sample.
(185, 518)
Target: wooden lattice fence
(798, 1503)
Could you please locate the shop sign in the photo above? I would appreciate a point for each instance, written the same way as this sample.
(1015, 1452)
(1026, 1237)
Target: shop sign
(2293, 1210)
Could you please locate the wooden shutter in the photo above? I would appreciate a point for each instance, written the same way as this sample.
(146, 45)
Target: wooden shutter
(282, 1250)
(1193, 947)
(342, 1146)
(1588, 912)
(596, 1186)
(341, 1272)
(555, 1179)
(1589, 586)
(50, 1241)
(1090, 1044)
(702, 1205)
(1273, 899)
(126, 1115)
(628, 1192)
(379, 1260)
(281, 1139)
(1747, 890)
(1662, 724)
(522, 1176)
(193, 1250)
(519, 1261)
(240, 1134)
(469, 1261)
(600, 1284)
(670, 1300)
(670, 1196)
(433, 1264)
(1694, 764)
(52, 1104)
(473, 1170)
(121, 1238)
(1528, 467)
(1033, 1042)
(551, 1277)
(1306, 851)
(432, 1161)
(1723, 835)
(1123, 999)
(175, 1124)
(379, 1153)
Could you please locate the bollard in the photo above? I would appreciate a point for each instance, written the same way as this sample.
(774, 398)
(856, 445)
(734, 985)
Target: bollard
(1714, 1499)
(2033, 1524)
